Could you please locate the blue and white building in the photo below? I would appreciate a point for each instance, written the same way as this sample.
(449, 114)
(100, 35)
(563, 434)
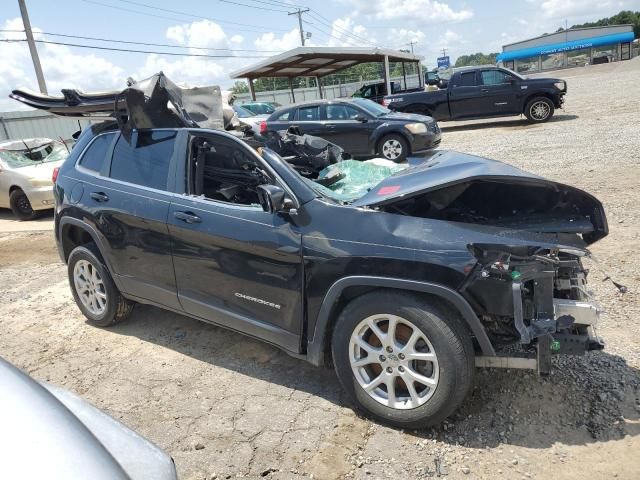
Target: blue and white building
(569, 48)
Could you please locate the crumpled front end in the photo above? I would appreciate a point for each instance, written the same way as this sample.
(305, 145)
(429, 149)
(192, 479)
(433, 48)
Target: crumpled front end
(536, 298)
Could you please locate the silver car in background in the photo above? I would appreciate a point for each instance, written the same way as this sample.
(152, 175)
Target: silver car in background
(26, 170)
(249, 119)
(50, 433)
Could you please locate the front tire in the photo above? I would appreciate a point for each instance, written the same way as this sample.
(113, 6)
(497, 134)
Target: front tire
(413, 377)
(21, 206)
(93, 289)
(539, 110)
(393, 147)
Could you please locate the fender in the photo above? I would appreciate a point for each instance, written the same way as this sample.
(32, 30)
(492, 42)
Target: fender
(315, 346)
(93, 233)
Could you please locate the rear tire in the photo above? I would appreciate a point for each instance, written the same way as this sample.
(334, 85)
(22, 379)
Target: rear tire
(20, 205)
(539, 110)
(93, 289)
(393, 147)
(423, 330)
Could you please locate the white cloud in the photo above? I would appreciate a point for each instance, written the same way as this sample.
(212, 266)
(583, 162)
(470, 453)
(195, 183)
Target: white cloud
(345, 32)
(420, 10)
(271, 41)
(400, 37)
(62, 67)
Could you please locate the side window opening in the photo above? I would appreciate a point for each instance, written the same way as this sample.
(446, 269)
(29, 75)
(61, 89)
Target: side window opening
(494, 77)
(223, 170)
(308, 114)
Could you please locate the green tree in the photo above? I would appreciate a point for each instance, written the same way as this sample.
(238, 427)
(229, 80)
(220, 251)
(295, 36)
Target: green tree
(476, 59)
(240, 86)
(623, 18)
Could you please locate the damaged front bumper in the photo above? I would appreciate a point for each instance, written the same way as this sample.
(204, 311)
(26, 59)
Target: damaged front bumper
(533, 303)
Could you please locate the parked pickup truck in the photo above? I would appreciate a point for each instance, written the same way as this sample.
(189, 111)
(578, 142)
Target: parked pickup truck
(483, 92)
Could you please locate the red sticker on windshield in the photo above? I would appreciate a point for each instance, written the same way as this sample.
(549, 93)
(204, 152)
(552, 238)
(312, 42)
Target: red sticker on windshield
(389, 190)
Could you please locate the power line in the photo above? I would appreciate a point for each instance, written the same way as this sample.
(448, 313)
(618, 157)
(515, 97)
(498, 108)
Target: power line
(339, 30)
(178, 12)
(96, 47)
(253, 6)
(131, 42)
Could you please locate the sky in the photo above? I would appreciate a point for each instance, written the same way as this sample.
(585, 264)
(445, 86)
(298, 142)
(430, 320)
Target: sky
(240, 32)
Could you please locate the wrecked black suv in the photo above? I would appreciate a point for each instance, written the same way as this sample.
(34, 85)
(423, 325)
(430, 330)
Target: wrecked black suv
(404, 284)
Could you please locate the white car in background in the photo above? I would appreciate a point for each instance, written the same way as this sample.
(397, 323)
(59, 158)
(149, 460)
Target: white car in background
(26, 171)
(250, 119)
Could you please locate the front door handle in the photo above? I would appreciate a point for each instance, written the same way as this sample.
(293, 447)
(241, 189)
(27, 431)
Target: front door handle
(187, 217)
(100, 196)
(484, 90)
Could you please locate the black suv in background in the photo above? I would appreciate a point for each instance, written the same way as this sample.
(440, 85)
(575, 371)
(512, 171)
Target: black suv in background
(361, 127)
(404, 286)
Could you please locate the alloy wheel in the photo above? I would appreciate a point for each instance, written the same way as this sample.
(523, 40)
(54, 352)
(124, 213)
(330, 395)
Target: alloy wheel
(540, 110)
(393, 361)
(392, 149)
(90, 287)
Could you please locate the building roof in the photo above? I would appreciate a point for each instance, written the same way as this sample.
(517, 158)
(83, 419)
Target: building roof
(584, 32)
(320, 61)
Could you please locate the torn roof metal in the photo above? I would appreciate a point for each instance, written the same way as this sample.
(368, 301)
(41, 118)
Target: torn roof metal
(320, 61)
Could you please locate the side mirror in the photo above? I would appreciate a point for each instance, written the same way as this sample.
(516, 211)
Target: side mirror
(361, 118)
(511, 80)
(273, 199)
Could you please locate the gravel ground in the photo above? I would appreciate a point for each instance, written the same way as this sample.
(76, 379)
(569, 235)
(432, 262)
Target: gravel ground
(225, 406)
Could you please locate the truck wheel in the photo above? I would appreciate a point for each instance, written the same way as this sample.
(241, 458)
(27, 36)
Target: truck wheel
(402, 360)
(393, 147)
(539, 110)
(93, 289)
(20, 205)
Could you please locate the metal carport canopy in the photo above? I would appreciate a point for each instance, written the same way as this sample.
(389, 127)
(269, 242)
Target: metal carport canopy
(321, 61)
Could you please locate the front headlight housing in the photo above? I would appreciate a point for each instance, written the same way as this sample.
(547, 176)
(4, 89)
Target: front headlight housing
(561, 85)
(416, 128)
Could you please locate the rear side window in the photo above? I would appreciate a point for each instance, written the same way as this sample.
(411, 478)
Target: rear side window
(94, 156)
(308, 114)
(146, 160)
(467, 79)
(285, 116)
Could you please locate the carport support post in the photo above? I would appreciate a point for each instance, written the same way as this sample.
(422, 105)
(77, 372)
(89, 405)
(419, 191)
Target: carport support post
(252, 89)
(387, 80)
(319, 86)
(404, 75)
(293, 96)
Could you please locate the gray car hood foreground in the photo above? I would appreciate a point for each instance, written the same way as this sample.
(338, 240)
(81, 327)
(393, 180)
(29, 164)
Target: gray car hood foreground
(50, 433)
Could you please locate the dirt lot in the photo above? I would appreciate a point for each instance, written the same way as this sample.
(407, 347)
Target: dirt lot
(225, 406)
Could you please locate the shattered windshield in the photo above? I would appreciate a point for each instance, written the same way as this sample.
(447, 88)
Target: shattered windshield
(49, 152)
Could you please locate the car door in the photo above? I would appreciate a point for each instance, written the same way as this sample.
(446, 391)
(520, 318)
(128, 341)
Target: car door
(464, 95)
(498, 93)
(308, 120)
(347, 126)
(235, 264)
(129, 204)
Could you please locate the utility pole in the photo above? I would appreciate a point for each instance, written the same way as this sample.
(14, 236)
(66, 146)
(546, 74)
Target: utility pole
(299, 12)
(32, 47)
(412, 43)
(444, 52)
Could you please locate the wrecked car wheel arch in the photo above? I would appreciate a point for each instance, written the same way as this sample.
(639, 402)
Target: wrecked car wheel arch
(316, 345)
(66, 245)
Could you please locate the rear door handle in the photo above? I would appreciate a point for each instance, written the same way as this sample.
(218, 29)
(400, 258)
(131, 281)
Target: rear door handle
(484, 90)
(100, 196)
(330, 125)
(187, 217)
